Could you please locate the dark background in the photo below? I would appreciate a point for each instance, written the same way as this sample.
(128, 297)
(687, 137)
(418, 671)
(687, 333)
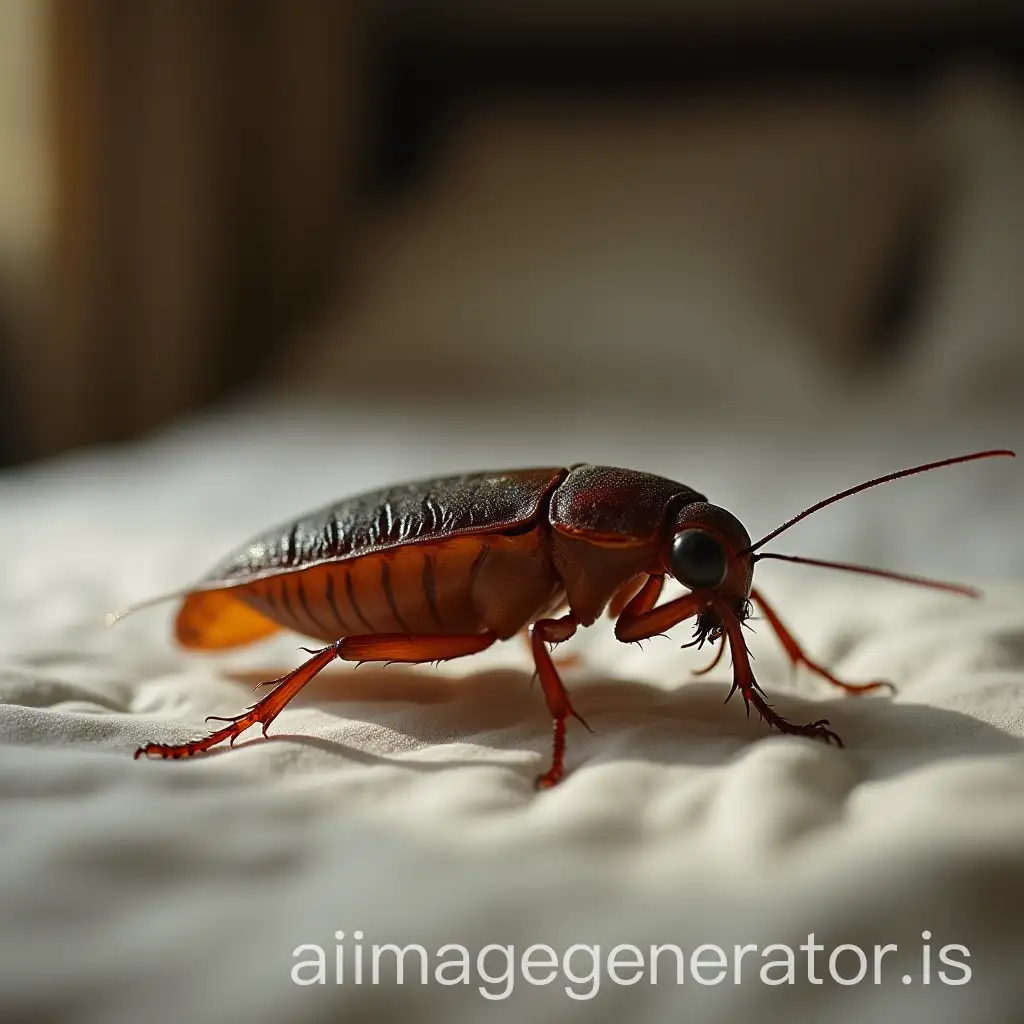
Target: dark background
(204, 176)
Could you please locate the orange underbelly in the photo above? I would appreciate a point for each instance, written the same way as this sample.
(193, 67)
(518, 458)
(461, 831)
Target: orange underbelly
(461, 585)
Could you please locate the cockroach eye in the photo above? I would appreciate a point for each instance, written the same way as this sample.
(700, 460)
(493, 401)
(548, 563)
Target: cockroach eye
(697, 559)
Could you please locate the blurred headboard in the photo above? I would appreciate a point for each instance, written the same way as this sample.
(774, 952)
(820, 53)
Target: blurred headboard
(210, 159)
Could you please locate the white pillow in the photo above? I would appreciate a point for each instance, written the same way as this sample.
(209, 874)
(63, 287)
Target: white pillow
(685, 252)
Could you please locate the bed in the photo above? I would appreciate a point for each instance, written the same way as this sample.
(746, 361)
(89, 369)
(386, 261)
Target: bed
(398, 803)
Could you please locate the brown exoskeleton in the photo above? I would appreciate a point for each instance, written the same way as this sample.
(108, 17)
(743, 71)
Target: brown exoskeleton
(442, 568)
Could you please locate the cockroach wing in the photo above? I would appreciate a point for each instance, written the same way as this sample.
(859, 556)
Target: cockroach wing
(391, 517)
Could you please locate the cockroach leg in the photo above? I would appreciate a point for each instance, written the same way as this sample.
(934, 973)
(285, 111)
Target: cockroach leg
(263, 711)
(642, 602)
(744, 681)
(627, 592)
(714, 661)
(562, 661)
(639, 621)
(542, 633)
(798, 657)
(413, 648)
(397, 647)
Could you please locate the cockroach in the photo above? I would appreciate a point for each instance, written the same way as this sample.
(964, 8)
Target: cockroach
(442, 568)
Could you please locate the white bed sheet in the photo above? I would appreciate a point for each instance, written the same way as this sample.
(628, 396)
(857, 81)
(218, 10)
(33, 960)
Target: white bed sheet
(399, 802)
(674, 336)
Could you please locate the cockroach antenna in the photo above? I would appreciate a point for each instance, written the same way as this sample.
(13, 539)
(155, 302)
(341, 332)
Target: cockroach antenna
(920, 581)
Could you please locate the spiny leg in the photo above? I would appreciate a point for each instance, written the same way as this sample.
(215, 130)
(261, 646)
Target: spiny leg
(263, 711)
(639, 620)
(562, 661)
(798, 657)
(542, 633)
(744, 681)
(400, 647)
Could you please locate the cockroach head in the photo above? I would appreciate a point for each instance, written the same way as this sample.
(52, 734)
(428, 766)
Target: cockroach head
(706, 549)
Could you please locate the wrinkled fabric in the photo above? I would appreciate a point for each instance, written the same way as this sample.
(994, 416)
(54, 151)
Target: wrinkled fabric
(398, 801)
